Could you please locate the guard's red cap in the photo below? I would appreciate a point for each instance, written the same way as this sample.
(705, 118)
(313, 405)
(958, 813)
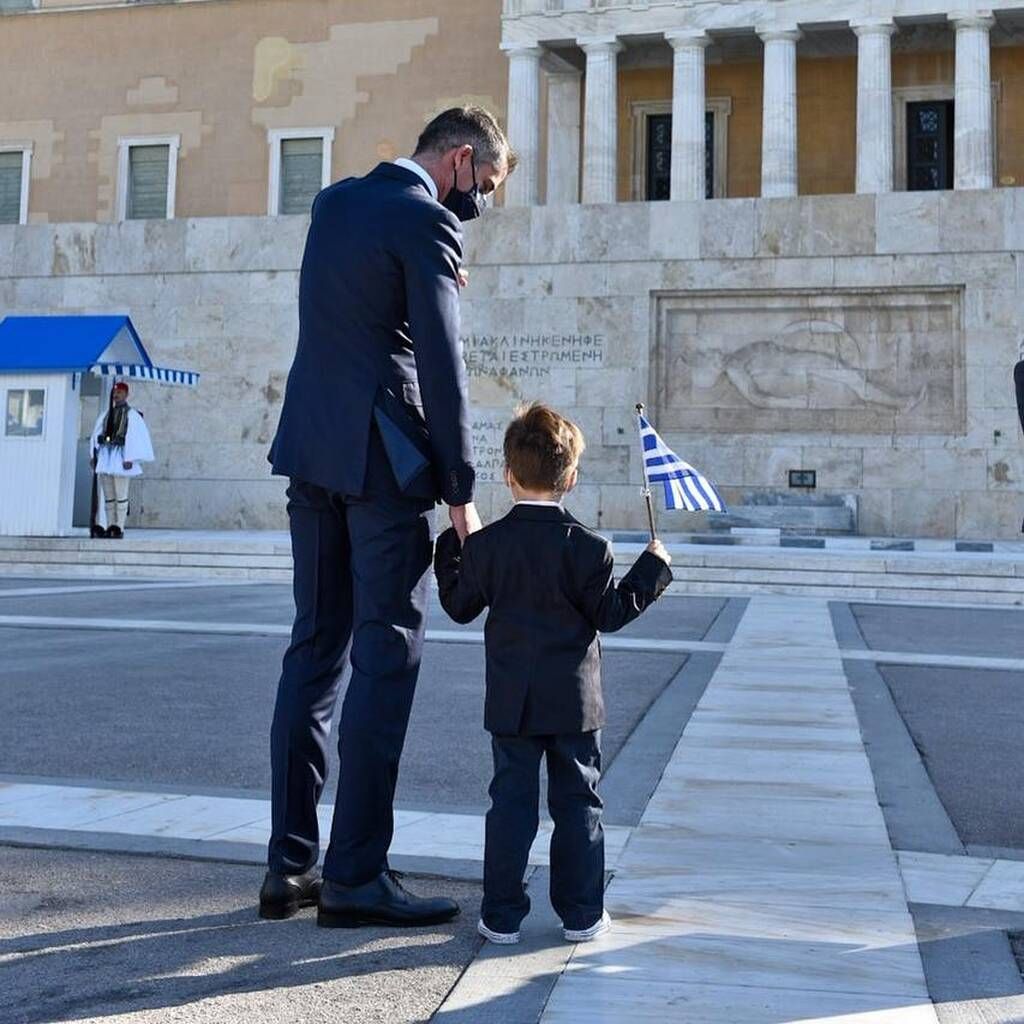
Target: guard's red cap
(121, 386)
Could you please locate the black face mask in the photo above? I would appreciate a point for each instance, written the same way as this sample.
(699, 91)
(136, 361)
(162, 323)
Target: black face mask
(465, 205)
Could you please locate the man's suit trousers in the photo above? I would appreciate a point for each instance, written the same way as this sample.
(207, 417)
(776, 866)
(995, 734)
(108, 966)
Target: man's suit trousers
(361, 574)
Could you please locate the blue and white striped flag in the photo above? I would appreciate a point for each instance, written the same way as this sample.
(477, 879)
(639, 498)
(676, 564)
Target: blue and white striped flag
(685, 488)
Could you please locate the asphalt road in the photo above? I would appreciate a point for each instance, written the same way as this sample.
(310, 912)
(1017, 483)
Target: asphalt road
(967, 726)
(672, 618)
(972, 632)
(965, 723)
(87, 936)
(194, 710)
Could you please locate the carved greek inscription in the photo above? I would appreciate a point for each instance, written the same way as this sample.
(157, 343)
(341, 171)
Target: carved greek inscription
(514, 357)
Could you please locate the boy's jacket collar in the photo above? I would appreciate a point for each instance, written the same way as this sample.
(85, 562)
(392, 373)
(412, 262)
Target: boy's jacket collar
(541, 513)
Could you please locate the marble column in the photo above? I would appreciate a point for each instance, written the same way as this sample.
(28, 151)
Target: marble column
(601, 120)
(688, 110)
(874, 105)
(524, 124)
(778, 133)
(972, 138)
(563, 179)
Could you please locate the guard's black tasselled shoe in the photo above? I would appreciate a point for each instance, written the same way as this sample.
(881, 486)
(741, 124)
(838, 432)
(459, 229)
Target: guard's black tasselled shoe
(283, 896)
(382, 901)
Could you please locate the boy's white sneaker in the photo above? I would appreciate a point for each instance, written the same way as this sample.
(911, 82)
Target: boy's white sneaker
(498, 938)
(588, 934)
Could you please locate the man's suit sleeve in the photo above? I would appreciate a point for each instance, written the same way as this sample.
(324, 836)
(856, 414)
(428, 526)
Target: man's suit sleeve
(431, 255)
(609, 606)
(1018, 378)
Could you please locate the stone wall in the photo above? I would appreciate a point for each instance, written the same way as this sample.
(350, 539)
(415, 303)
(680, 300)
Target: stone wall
(871, 339)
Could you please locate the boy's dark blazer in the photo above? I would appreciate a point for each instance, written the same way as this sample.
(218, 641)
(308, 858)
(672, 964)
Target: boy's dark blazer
(548, 584)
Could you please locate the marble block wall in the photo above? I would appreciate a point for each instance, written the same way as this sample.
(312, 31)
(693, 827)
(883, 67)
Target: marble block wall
(869, 338)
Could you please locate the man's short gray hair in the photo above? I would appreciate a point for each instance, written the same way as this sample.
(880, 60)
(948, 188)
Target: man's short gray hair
(468, 126)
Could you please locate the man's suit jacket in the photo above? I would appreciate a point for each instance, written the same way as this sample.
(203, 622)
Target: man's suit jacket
(379, 342)
(548, 584)
(1018, 379)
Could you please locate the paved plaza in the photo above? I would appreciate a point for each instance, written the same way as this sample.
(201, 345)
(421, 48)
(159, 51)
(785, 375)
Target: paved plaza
(813, 813)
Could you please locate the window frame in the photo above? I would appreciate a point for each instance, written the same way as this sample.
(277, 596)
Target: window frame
(41, 436)
(275, 136)
(641, 110)
(124, 144)
(25, 148)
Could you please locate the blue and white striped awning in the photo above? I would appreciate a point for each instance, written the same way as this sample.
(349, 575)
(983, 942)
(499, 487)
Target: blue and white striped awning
(108, 346)
(161, 374)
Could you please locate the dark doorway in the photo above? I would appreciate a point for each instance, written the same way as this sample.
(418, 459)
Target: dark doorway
(659, 156)
(929, 146)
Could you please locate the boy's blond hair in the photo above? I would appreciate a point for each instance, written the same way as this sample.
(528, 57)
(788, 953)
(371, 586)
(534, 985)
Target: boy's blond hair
(543, 448)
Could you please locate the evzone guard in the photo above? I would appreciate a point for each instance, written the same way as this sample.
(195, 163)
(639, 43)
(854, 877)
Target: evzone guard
(120, 443)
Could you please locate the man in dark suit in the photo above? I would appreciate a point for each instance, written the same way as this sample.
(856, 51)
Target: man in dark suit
(548, 584)
(1018, 380)
(374, 431)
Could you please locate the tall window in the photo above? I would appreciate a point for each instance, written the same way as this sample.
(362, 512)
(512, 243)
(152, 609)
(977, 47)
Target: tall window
(300, 166)
(147, 182)
(659, 156)
(14, 176)
(930, 145)
(147, 177)
(302, 161)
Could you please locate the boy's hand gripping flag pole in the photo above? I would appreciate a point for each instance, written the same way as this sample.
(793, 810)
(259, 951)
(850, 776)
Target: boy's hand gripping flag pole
(647, 482)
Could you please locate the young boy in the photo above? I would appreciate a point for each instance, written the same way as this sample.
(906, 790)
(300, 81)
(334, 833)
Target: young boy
(547, 582)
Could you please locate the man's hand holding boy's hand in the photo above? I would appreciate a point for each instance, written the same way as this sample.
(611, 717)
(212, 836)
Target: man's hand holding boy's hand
(465, 519)
(657, 549)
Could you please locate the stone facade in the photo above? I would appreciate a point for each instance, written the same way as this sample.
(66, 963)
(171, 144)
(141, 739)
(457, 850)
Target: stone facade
(222, 75)
(867, 337)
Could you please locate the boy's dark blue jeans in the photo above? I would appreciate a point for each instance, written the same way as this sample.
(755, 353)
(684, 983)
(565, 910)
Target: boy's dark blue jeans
(577, 845)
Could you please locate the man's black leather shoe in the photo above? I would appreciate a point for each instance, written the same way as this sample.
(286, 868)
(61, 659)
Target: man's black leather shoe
(284, 896)
(382, 901)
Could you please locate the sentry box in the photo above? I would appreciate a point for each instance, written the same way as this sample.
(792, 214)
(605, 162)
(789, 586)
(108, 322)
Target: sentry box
(55, 378)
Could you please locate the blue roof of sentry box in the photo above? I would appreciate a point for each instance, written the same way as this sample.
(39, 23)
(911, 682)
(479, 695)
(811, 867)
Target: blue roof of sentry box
(68, 344)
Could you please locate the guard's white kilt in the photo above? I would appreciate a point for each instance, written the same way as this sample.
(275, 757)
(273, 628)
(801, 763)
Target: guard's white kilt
(138, 448)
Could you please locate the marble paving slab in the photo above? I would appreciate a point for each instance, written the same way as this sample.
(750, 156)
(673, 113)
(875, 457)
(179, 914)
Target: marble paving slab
(962, 881)
(577, 999)
(741, 895)
(418, 833)
(942, 879)
(811, 821)
(75, 807)
(1002, 887)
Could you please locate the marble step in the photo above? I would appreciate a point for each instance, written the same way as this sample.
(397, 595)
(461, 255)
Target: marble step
(951, 577)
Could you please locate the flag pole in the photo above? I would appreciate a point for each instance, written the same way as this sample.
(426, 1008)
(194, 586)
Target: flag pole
(647, 483)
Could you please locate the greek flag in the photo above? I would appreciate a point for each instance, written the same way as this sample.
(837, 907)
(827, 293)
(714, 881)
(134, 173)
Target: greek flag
(685, 488)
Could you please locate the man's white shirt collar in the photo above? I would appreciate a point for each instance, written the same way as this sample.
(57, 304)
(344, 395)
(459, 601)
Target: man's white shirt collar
(544, 504)
(411, 165)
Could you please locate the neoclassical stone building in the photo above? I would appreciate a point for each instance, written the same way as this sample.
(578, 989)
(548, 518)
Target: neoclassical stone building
(791, 228)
